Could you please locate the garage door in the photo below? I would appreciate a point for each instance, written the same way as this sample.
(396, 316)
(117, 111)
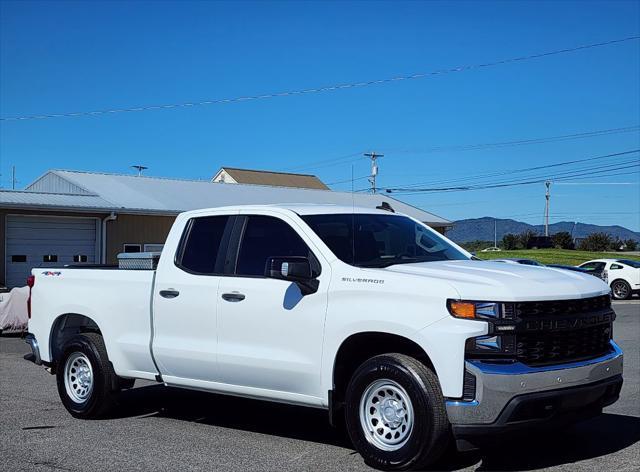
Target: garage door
(35, 241)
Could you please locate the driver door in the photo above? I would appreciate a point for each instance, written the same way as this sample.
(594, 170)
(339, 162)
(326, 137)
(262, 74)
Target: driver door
(270, 335)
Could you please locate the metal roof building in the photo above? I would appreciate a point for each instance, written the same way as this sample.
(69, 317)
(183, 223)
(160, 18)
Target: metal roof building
(69, 216)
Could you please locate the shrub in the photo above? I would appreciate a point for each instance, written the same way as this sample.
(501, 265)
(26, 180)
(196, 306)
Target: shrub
(510, 241)
(563, 240)
(525, 237)
(596, 242)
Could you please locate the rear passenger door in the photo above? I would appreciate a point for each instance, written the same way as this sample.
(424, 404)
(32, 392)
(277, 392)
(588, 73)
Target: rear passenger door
(269, 335)
(185, 301)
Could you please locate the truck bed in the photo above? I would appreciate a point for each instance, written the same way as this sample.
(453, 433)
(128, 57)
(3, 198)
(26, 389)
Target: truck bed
(118, 300)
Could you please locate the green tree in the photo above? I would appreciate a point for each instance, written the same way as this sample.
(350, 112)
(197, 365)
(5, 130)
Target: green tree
(525, 237)
(563, 240)
(510, 241)
(596, 242)
(617, 245)
(632, 244)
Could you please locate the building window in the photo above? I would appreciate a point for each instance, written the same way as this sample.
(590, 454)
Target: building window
(50, 258)
(133, 248)
(153, 247)
(80, 258)
(18, 258)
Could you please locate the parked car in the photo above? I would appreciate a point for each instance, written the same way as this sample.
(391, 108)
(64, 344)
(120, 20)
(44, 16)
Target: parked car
(573, 268)
(491, 249)
(368, 314)
(530, 262)
(601, 274)
(623, 275)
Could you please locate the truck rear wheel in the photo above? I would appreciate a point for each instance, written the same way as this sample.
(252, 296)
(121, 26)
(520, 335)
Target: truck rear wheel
(87, 384)
(395, 413)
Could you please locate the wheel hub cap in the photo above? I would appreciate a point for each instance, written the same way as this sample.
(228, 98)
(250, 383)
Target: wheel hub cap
(386, 415)
(78, 377)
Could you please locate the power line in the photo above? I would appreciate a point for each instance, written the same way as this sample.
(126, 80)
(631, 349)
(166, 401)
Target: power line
(599, 170)
(521, 142)
(348, 180)
(599, 173)
(475, 178)
(329, 88)
(356, 156)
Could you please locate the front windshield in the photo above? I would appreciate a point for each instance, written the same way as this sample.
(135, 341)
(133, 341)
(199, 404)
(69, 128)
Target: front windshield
(374, 240)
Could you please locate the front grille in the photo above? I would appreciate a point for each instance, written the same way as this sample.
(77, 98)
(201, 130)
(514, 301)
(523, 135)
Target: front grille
(549, 347)
(523, 310)
(548, 332)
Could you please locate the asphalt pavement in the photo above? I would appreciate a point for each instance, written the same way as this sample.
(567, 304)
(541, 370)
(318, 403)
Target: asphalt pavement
(159, 428)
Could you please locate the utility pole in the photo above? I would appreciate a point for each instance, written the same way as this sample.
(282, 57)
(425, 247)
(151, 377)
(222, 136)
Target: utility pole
(13, 178)
(495, 232)
(547, 196)
(374, 168)
(139, 168)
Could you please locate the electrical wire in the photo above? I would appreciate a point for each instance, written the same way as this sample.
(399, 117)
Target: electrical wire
(574, 174)
(477, 177)
(521, 142)
(329, 88)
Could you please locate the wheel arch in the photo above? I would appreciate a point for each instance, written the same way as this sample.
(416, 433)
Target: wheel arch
(357, 348)
(66, 326)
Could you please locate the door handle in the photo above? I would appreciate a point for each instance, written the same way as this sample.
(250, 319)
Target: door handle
(233, 297)
(171, 293)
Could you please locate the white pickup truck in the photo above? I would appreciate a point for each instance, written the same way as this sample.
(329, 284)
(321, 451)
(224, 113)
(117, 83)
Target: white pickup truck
(363, 312)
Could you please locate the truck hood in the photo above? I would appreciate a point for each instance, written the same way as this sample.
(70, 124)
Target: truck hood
(500, 281)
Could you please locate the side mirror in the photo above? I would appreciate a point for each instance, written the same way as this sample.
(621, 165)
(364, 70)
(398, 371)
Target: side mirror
(293, 269)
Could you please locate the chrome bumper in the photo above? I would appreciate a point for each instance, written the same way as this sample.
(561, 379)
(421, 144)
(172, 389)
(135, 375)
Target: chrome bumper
(498, 384)
(35, 350)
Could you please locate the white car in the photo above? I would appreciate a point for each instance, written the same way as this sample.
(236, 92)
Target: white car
(623, 275)
(370, 315)
(491, 249)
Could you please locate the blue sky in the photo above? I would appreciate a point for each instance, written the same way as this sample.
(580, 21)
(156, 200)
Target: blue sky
(58, 57)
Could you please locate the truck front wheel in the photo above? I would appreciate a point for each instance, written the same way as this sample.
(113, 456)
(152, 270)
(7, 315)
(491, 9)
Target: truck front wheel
(395, 413)
(87, 384)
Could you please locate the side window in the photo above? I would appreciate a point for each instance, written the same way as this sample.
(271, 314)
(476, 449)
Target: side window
(616, 266)
(593, 266)
(202, 243)
(264, 237)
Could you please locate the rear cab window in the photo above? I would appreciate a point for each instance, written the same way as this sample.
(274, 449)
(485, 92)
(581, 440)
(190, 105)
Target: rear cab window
(203, 246)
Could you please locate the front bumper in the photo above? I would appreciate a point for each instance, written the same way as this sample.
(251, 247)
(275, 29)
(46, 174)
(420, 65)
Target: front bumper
(515, 396)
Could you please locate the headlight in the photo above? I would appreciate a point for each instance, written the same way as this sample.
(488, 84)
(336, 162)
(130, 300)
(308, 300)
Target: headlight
(474, 310)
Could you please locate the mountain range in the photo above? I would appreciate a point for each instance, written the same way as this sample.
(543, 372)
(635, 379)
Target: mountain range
(482, 229)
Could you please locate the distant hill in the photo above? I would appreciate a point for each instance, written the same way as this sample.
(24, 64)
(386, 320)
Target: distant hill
(482, 229)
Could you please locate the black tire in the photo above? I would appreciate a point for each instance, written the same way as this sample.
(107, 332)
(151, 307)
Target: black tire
(430, 431)
(105, 383)
(620, 289)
